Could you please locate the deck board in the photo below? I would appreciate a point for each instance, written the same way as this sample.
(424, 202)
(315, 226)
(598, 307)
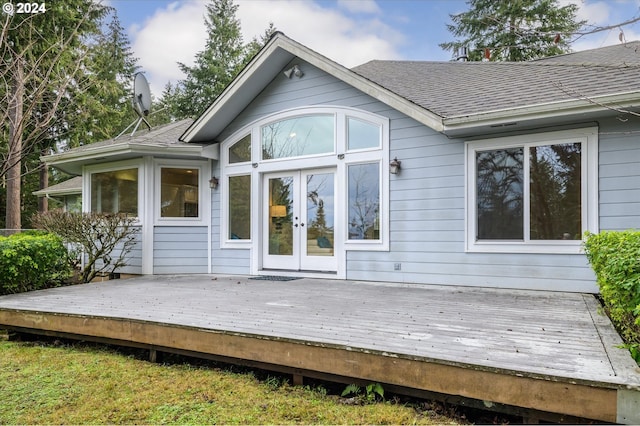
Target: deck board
(551, 335)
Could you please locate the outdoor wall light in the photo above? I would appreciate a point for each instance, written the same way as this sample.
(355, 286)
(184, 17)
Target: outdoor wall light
(294, 70)
(213, 183)
(394, 166)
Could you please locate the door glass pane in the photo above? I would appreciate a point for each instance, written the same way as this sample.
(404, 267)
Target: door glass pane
(320, 214)
(362, 135)
(280, 216)
(240, 151)
(304, 135)
(555, 178)
(364, 201)
(239, 207)
(499, 186)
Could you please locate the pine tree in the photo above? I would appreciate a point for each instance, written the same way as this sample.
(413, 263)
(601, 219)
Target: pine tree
(223, 57)
(513, 30)
(40, 59)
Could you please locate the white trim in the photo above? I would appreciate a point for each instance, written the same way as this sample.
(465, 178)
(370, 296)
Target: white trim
(337, 160)
(589, 191)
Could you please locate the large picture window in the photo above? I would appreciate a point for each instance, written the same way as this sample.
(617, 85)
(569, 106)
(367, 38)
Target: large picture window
(115, 192)
(536, 192)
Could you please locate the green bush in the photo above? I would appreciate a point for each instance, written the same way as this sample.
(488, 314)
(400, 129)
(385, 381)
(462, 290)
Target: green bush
(31, 261)
(615, 258)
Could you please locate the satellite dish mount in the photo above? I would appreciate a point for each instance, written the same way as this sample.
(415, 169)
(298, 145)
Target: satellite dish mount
(141, 103)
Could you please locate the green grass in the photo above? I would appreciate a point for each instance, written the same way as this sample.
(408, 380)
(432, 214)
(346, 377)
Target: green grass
(82, 384)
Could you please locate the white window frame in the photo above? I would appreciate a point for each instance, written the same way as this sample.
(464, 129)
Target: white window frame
(204, 174)
(589, 191)
(113, 167)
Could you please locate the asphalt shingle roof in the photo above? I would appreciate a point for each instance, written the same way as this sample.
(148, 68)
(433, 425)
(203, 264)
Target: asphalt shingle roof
(452, 89)
(167, 134)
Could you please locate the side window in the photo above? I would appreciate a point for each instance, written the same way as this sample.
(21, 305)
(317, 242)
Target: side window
(239, 207)
(179, 192)
(115, 192)
(364, 201)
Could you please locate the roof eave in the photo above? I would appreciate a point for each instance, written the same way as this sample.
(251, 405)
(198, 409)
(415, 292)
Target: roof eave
(613, 103)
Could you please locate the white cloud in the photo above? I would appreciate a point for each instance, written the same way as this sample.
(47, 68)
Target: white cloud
(173, 34)
(334, 33)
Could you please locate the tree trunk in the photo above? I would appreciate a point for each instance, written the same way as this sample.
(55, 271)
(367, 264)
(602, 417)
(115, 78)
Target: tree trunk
(13, 220)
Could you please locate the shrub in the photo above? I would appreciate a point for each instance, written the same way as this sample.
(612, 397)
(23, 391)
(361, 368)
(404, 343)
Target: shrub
(105, 240)
(32, 261)
(615, 258)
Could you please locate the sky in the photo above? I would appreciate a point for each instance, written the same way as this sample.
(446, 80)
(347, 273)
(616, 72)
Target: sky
(350, 32)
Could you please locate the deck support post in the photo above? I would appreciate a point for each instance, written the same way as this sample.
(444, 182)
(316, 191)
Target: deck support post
(153, 355)
(298, 380)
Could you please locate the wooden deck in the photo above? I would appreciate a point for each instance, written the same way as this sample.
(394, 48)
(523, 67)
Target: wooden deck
(543, 351)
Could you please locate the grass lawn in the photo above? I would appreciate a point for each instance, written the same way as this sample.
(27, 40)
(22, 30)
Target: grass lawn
(82, 384)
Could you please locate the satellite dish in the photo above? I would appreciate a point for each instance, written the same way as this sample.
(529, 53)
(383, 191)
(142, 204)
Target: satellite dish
(141, 102)
(141, 95)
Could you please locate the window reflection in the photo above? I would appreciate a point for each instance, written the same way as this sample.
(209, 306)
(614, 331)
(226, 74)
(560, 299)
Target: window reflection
(240, 207)
(555, 194)
(320, 214)
(499, 181)
(305, 135)
(115, 192)
(240, 151)
(178, 192)
(364, 201)
(362, 135)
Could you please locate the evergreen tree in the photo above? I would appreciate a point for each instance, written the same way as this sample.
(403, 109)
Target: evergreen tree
(41, 58)
(100, 108)
(513, 30)
(216, 66)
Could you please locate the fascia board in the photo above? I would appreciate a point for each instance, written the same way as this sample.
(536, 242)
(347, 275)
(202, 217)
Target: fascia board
(295, 49)
(122, 149)
(541, 111)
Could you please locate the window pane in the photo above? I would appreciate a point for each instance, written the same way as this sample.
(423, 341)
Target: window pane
(115, 192)
(239, 207)
(362, 134)
(499, 180)
(555, 179)
(306, 135)
(179, 192)
(320, 239)
(364, 201)
(240, 151)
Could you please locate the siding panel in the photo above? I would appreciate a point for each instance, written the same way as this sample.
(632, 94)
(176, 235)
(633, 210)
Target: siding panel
(180, 250)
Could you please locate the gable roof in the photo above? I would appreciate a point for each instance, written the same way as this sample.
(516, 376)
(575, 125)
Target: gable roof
(161, 140)
(456, 98)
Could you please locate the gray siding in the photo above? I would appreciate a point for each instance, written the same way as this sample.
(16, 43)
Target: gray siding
(619, 174)
(180, 250)
(427, 201)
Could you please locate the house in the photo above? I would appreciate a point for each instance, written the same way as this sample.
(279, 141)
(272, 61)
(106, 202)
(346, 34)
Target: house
(450, 173)
(66, 195)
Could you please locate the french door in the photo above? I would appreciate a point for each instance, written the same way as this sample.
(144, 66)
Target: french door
(299, 220)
